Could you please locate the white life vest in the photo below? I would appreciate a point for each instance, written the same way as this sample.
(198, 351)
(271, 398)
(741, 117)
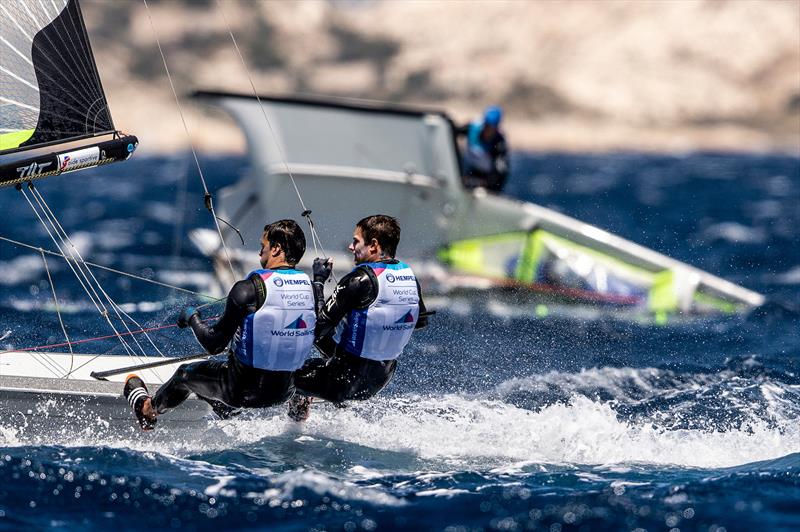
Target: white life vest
(382, 330)
(279, 335)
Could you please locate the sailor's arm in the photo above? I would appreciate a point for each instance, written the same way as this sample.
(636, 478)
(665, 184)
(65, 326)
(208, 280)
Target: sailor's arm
(242, 300)
(321, 270)
(354, 291)
(423, 312)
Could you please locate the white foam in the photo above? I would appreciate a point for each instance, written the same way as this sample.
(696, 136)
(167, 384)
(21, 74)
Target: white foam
(442, 492)
(459, 433)
(322, 485)
(734, 233)
(790, 277)
(22, 269)
(463, 431)
(219, 487)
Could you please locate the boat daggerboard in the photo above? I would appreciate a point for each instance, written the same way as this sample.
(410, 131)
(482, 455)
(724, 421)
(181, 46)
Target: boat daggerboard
(50, 93)
(553, 264)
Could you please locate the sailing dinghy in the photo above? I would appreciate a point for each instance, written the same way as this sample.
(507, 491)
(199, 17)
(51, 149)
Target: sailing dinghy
(54, 119)
(351, 158)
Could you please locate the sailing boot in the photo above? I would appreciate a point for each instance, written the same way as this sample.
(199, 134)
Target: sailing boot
(136, 394)
(299, 408)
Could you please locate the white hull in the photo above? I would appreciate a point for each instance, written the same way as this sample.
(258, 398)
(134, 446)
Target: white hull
(37, 408)
(353, 160)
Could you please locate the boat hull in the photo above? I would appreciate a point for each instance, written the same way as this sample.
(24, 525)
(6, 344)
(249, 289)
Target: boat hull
(61, 409)
(350, 160)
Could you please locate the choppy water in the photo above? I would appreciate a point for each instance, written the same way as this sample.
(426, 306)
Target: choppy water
(495, 420)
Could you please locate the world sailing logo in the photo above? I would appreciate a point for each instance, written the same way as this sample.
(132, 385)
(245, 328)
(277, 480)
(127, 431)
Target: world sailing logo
(405, 323)
(297, 327)
(297, 324)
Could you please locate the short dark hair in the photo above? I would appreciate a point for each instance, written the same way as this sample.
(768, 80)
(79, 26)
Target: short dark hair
(289, 236)
(382, 228)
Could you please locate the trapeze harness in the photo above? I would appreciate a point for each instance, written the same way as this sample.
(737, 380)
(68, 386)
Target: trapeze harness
(382, 330)
(279, 335)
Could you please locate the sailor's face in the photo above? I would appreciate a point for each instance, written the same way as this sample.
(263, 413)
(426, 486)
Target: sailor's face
(360, 250)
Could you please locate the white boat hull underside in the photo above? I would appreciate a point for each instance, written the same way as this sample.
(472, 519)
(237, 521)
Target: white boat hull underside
(66, 405)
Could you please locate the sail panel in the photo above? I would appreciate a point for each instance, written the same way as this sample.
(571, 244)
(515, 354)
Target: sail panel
(547, 262)
(50, 91)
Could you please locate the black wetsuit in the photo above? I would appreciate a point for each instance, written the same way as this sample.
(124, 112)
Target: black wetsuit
(228, 383)
(497, 149)
(340, 375)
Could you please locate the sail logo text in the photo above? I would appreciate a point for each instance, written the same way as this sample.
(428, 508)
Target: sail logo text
(32, 169)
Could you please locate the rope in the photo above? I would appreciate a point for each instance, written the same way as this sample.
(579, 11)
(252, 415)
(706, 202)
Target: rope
(65, 237)
(209, 202)
(96, 338)
(112, 270)
(97, 304)
(58, 312)
(306, 212)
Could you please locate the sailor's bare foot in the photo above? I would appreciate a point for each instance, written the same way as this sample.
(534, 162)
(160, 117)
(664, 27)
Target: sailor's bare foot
(148, 410)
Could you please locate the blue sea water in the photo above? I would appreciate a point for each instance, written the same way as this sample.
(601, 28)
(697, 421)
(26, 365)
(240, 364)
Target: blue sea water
(496, 419)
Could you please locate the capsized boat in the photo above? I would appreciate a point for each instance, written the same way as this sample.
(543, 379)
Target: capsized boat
(351, 159)
(54, 119)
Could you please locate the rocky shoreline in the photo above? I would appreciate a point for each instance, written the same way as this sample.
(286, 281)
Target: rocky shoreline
(573, 76)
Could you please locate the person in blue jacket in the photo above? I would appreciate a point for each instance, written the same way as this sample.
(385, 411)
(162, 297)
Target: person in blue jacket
(486, 153)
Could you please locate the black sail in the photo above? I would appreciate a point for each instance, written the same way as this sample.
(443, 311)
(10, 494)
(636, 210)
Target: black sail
(50, 94)
(50, 91)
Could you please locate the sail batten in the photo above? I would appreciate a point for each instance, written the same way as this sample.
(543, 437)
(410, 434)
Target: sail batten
(51, 94)
(18, 78)
(50, 81)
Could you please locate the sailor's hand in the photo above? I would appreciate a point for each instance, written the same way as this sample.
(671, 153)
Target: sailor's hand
(322, 269)
(186, 315)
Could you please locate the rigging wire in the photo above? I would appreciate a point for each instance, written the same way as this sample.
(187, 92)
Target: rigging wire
(98, 304)
(209, 202)
(58, 311)
(96, 338)
(66, 241)
(113, 270)
(306, 212)
(114, 306)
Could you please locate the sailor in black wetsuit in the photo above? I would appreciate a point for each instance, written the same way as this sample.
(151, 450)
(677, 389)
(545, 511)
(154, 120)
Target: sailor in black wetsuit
(270, 317)
(366, 323)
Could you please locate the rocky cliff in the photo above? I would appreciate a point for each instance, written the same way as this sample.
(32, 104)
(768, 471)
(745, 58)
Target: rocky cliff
(572, 75)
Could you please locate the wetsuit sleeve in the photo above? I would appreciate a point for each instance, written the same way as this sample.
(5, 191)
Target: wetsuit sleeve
(422, 322)
(354, 291)
(242, 300)
(319, 296)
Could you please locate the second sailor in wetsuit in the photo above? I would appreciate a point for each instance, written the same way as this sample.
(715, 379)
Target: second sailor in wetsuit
(270, 317)
(364, 326)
